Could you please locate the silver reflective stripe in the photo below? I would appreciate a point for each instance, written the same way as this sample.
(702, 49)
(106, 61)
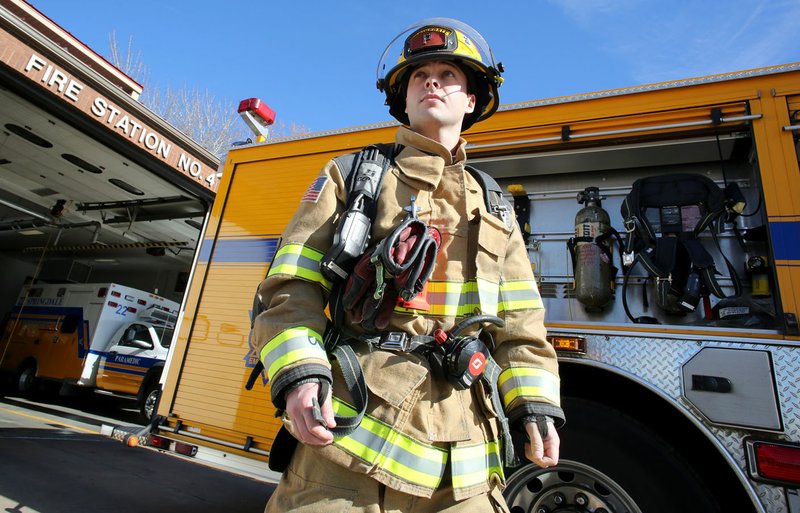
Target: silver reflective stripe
(300, 261)
(519, 295)
(475, 464)
(291, 346)
(530, 383)
(380, 445)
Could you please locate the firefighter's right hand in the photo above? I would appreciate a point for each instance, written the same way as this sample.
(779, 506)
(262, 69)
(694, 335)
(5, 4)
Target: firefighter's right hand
(304, 425)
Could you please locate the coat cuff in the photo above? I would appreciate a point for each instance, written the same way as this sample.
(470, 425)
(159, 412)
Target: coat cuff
(519, 413)
(295, 376)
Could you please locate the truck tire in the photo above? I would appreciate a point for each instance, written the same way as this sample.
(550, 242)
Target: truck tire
(26, 378)
(609, 462)
(147, 406)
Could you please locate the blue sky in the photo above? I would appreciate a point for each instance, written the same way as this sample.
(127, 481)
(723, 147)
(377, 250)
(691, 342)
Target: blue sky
(314, 62)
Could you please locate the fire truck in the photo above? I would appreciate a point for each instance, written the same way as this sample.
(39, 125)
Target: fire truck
(680, 380)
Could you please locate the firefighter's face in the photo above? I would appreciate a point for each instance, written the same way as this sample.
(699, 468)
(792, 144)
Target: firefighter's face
(437, 96)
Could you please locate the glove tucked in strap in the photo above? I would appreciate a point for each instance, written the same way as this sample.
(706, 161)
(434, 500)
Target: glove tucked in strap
(398, 267)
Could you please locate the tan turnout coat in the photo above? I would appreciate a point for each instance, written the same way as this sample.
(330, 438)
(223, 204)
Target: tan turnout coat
(482, 267)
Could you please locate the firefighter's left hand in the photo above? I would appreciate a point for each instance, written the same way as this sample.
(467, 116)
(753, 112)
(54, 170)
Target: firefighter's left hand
(542, 452)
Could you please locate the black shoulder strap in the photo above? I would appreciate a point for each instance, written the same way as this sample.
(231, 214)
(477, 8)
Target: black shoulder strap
(493, 196)
(363, 173)
(367, 182)
(380, 154)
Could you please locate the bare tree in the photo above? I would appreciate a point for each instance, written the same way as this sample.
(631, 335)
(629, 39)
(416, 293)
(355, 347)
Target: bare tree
(129, 62)
(213, 123)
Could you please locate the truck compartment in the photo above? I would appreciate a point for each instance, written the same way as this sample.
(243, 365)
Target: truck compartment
(552, 177)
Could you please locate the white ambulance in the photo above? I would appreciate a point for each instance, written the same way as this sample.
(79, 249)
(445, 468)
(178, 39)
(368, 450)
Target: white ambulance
(102, 336)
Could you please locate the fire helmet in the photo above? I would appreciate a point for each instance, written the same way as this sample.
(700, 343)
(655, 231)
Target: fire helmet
(440, 39)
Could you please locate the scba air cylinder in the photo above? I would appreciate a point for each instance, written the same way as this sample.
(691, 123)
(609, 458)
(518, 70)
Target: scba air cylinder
(594, 270)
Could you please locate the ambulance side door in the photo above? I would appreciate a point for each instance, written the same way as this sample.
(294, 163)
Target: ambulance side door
(124, 365)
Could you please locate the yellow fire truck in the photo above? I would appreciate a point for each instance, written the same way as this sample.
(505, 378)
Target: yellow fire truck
(681, 385)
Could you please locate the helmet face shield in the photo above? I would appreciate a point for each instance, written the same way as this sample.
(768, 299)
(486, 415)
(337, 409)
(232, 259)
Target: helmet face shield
(440, 39)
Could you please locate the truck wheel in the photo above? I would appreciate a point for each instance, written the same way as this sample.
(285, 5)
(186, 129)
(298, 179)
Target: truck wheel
(149, 399)
(26, 378)
(611, 463)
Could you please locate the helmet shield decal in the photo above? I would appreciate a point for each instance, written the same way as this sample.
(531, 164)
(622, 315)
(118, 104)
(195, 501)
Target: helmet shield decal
(428, 39)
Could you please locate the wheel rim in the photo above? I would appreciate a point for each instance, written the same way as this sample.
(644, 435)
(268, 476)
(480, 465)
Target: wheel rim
(150, 404)
(568, 487)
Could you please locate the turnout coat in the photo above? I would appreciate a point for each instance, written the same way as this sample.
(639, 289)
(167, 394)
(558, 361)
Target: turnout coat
(419, 433)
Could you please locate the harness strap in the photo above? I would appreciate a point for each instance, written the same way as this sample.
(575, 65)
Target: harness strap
(400, 342)
(492, 196)
(703, 262)
(490, 376)
(356, 385)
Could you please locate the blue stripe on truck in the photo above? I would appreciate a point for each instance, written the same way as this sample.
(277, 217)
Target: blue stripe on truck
(252, 250)
(785, 239)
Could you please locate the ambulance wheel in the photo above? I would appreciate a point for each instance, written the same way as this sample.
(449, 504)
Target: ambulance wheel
(26, 378)
(609, 462)
(149, 400)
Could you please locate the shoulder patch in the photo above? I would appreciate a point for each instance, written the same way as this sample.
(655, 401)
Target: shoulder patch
(315, 189)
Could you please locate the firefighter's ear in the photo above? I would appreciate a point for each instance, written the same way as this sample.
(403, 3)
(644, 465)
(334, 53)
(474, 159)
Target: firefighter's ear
(470, 105)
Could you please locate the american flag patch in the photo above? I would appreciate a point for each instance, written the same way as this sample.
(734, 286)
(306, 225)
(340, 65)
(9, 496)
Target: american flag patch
(315, 189)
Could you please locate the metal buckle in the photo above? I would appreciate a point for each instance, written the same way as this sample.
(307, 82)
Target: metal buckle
(667, 279)
(628, 258)
(395, 341)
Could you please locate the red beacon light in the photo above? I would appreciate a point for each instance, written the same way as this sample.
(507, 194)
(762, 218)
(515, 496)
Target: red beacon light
(258, 117)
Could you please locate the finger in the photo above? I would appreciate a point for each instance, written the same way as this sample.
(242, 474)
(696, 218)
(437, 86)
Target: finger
(310, 418)
(320, 435)
(317, 425)
(298, 428)
(534, 449)
(550, 448)
(542, 452)
(553, 446)
(299, 408)
(327, 412)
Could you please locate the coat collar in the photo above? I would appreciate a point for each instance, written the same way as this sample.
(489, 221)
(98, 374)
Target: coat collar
(424, 159)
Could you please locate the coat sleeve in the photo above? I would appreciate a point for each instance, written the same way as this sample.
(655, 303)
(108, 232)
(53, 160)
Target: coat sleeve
(529, 383)
(289, 331)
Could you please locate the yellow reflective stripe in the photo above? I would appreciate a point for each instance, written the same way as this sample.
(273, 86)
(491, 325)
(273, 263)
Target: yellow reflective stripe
(301, 261)
(452, 299)
(291, 346)
(459, 299)
(530, 383)
(519, 295)
(475, 464)
(378, 444)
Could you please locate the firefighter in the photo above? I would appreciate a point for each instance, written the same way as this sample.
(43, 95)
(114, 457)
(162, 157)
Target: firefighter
(423, 444)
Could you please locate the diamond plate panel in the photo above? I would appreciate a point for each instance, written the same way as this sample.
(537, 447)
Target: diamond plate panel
(657, 362)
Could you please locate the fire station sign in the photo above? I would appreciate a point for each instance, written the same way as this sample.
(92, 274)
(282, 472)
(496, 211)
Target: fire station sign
(110, 114)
